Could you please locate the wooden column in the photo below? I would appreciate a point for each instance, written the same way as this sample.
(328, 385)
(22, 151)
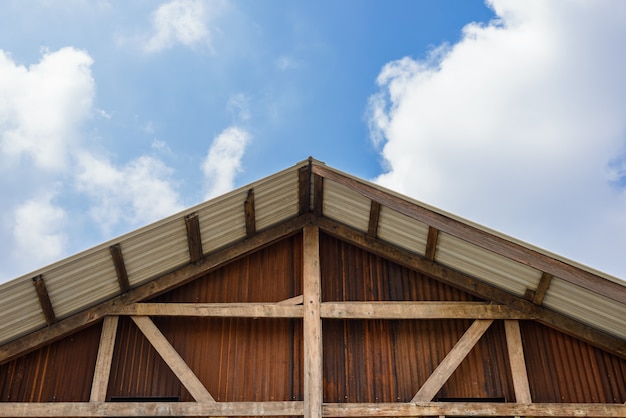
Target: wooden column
(103, 361)
(312, 324)
(518, 364)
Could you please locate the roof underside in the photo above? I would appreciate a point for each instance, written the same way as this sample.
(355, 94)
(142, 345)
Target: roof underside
(326, 195)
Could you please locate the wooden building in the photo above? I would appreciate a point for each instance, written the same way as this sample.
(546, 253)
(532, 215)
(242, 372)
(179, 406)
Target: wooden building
(313, 293)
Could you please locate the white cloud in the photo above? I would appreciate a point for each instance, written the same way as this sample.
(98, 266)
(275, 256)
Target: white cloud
(517, 126)
(138, 193)
(38, 226)
(223, 160)
(239, 106)
(42, 107)
(183, 22)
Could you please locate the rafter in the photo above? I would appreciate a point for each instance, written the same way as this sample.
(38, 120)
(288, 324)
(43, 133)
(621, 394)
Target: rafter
(250, 214)
(431, 243)
(120, 267)
(194, 240)
(44, 299)
(372, 229)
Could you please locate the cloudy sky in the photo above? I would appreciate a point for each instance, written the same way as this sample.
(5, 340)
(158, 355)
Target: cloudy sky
(114, 114)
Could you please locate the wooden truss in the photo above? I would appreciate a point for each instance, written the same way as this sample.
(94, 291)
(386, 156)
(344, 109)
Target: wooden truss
(312, 310)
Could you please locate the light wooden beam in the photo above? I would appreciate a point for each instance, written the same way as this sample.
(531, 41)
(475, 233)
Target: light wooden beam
(153, 288)
(516, 359)
(242, 310)
(312, 324)
(296, 300)
(194, 240)
(171, 357)
(450, 363)
(44, 299)
(120, 267)
(431, 243)
(418, 310)
(250, 214)
(149, 409)
(481, 238)
(103, 361)
(475, 287)
(372, 229)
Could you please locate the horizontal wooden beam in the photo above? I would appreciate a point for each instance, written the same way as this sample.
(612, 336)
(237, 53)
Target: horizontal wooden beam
(153, 288)
(187, 409)
(419, 310)
(452, 409)
(148, 409)
(475, 287)
(245, 310)
(481, 238)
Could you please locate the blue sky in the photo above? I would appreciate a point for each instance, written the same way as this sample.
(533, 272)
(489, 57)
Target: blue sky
(115, 114)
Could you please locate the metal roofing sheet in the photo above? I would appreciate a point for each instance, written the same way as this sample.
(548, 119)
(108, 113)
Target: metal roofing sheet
(222, 221)
(20, 309)
(398, 229)
(345, 205)
(276, 199)
(587, 307)
(485, 265)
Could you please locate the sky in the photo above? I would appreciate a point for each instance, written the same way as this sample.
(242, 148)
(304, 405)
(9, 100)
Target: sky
(509, 113)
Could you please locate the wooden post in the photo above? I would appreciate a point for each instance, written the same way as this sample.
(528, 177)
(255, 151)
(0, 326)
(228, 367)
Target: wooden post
(518, 364)
(103, 361)
(312, 324)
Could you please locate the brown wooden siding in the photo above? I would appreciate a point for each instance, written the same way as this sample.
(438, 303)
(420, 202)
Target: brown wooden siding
(59, 372)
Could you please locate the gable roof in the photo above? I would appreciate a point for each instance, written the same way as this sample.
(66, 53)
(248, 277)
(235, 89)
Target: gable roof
(73, 293)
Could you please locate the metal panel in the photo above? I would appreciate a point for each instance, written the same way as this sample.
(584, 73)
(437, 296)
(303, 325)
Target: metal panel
(346, 206)
(222, 220)
(276, 199)
(155, 250)
(85, 281)
(486, 266)
(400, 230)
(19, 309)
(587, 307)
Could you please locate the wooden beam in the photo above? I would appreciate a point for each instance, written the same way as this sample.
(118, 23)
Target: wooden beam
(431, 243)
(250, 214)
(103, 361)
(243, 310)
(153, 288)
(194, 240)
(450, 363)
(418, 310)
(296, 300)
(312, 324)
(466, 283)
(481, 238)
(451, 409)
(318, 195)
(542, 289)
(149, 409)
(44, 299)
(171, 357)
(120, 267)
(372, 229)
(516, 359)
(304, 189)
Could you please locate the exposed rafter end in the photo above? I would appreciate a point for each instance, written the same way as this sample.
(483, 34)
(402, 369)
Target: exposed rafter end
(44, 299)
(250, 214)
(120, 267)
(194, 240)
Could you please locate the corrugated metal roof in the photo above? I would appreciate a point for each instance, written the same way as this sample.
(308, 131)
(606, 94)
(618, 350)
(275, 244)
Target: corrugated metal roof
(88, 278)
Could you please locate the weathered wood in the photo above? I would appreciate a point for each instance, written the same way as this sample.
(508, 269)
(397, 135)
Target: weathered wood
(120, 267)
(517, 361)
(542, 288)
(194, 240)
(481, 238)
(243, 310)
(250, 214)
(149, 409)
(431, 243)
(450, 363)
(153, 288)
(418, 310)
(296, 300)
(466, 283)
(44, 300)
(318, 195)
(103, 361)
(372, 229)
(312, 324)
(171, 357)
(304, 189)
(451, 409)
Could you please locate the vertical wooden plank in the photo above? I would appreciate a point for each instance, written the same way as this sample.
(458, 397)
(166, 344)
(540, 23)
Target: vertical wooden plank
(120, 267)
(171, 357)
(304, 189)
(450, 363)
(518, 364)
(318, 195)
(431, 243)
(312, 324)
(103, 361)
(44, 300)
(250, 214)
(194, 241)
(372, 229)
